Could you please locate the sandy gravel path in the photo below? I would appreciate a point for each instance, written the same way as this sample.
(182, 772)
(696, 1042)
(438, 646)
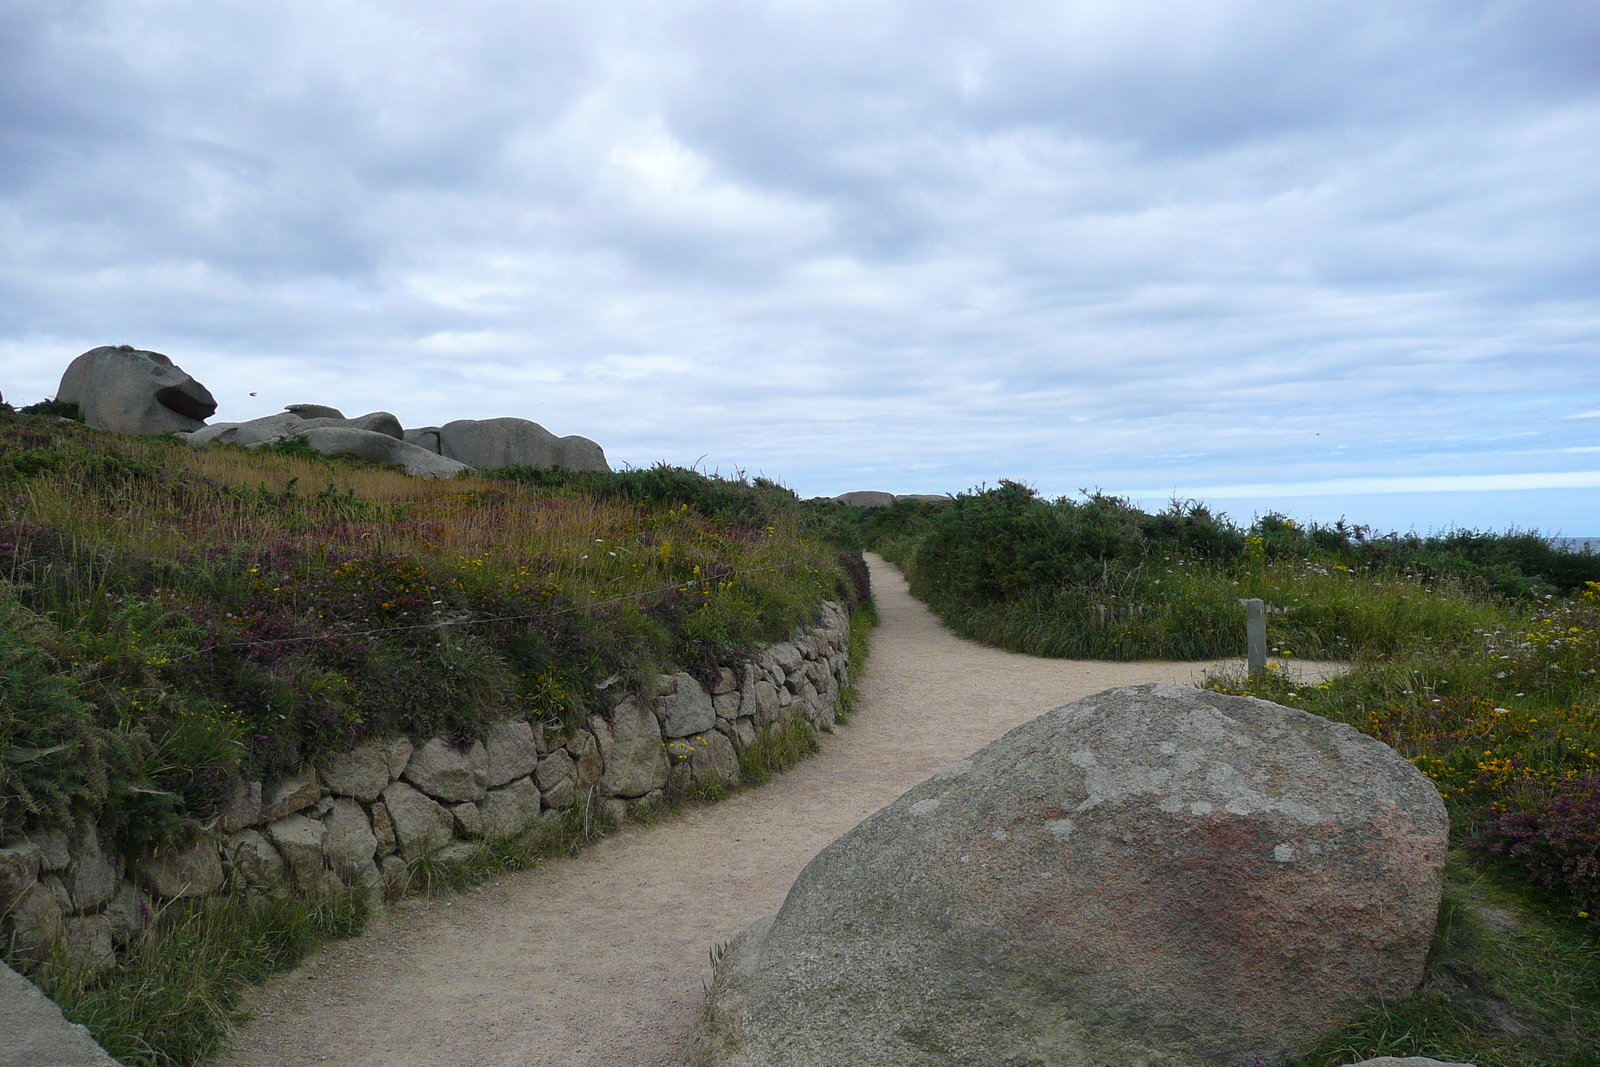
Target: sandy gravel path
(599, 960)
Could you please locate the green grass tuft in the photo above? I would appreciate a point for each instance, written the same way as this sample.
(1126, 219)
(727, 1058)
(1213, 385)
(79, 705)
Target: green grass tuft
(1508, 984)
(175, 995)
(775, 751)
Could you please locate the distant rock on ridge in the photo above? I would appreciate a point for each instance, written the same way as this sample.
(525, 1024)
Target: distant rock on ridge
(376, 438)
(314, 411)
(872, 498)
(866, 498)
(508, 442)
(127, 390)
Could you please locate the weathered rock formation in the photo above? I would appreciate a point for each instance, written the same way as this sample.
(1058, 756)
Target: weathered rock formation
(1149, 875)
(376, 438)
(314, 411)
(126, 390)
(866, 498)
(509, 442)
(872, 498)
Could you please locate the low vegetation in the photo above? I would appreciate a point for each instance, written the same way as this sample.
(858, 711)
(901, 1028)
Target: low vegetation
(1473, 654)
(171, 619)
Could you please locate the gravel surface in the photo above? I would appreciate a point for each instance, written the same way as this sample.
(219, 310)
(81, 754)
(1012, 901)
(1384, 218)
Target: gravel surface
(597, 961)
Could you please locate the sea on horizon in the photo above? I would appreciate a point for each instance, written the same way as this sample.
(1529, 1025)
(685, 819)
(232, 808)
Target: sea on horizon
(1577, 544)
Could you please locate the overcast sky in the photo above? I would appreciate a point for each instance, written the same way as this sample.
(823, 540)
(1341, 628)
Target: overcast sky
(1339, 259)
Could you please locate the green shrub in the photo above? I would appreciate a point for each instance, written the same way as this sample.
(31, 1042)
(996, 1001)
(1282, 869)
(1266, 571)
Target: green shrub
(1507, 985)
(61, 409)
(173, 617)
(176, 994)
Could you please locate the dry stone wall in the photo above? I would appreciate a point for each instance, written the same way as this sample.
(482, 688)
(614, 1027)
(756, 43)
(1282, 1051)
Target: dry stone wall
(364, 817)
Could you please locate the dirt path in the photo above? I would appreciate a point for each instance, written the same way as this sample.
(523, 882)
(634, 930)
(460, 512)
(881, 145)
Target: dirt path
(598, 960)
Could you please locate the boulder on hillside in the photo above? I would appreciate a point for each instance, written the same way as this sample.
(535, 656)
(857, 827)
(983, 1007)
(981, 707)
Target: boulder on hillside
(377, 447)
(871, 498)
(508, 442)
(126, 390)
(314, 411)
(866, 498)
(376, 421)
(1149, 875)
(293, 423)
(376, 438)
(424, 437)
(262, 431)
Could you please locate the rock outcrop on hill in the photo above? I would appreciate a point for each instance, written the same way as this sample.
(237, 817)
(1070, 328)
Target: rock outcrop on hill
(509, 442)
(126, 390)
(376, 438)
(1149, 875)
(314, 411)
(872, 498)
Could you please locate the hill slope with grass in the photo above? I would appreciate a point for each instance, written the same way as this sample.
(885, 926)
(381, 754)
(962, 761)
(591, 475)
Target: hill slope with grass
(1473, 654)
(171, 618)
(174, 620)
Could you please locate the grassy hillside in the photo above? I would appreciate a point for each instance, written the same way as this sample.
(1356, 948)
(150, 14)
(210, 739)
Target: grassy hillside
(170, 618)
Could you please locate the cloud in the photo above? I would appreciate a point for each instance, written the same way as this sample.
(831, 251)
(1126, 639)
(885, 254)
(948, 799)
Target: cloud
(1340, 487)
(919, 245)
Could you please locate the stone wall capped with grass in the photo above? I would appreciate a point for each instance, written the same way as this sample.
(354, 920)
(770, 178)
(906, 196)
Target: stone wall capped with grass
(389, 810)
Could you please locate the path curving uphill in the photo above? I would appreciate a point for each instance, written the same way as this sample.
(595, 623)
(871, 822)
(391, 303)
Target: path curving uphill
(597, 961)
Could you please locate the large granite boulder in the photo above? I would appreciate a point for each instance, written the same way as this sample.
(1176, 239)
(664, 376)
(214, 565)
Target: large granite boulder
(1149, 875)
(314, 411)
(263, 431)
(866, 498)
(508, 442)
(424, 437)
(126, 390)
(871, 498)
(375, 447)
(36, 1033)
(376, 421)
(376, 438)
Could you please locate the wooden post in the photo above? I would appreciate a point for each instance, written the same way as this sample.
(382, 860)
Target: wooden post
(1255, 633)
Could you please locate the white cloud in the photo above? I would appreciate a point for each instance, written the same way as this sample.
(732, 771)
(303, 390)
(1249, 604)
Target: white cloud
(1339, 487)
(1226, 243)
